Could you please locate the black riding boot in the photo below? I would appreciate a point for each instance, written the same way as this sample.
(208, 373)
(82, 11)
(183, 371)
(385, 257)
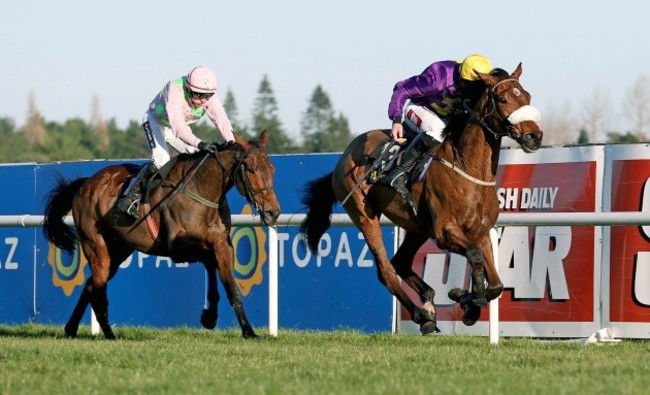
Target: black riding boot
(398, 177)
(130, 201)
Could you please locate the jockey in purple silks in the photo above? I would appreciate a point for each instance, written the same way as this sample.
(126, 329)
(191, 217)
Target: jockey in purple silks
(179, 104)
(425, 102)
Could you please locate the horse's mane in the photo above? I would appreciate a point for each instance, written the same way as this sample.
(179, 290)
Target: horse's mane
(473, 93)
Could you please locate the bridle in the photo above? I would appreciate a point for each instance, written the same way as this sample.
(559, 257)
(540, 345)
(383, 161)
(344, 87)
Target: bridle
(241, 170)
(493, 109)
(238, 169)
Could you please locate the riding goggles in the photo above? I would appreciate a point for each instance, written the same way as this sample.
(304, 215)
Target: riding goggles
(200, 95)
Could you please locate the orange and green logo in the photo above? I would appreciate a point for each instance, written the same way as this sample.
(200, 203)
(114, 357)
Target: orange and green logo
(250, 254)
(67, 270)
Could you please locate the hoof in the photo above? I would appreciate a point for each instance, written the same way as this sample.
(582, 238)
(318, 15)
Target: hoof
(249, 334)
(460, 295)
(209, 319)
(481, 302)
(471, 307)
(70, 331)
(429, 328)
(471, 313)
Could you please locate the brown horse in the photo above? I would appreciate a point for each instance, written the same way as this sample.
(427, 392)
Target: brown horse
(187, 218)
(456, 200)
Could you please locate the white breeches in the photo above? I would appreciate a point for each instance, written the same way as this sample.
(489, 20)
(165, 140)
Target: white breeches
(424, 120)
(161, 137)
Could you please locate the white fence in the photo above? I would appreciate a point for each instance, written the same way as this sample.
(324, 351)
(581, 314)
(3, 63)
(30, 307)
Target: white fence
(504, 219)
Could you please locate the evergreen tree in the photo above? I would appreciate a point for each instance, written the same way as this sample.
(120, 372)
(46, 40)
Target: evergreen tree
(99, 124)
(35, 133)
(321, 129)
(230, 105)
(583, 138)
(265, 117)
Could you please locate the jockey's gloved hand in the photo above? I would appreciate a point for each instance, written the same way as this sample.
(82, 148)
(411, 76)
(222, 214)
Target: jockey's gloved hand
(210, 147)
(226, 144)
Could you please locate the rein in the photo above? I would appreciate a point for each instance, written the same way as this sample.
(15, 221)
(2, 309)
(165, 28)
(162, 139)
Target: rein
(494, 110)
(481, 120)
(249, 192)
(237, 169)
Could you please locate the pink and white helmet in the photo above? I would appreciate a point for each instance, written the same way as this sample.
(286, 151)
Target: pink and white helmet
(203, 80)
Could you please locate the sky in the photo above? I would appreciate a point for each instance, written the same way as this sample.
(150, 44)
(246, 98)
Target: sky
(66, 52)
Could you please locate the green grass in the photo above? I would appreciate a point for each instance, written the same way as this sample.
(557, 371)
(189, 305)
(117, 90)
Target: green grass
(38, 359)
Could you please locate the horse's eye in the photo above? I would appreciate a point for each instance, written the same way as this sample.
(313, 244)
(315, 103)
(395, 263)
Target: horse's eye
(502, 100)
(250, 170)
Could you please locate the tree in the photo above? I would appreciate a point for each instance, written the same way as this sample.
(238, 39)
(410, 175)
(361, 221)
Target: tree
(637, 105)
(230, 105)
(265, 116)
(35, 133)
(98, 124)
(559, 125)
(321, 129)
(618, 138)
(10, 140)
(597, 112)
(583, 138)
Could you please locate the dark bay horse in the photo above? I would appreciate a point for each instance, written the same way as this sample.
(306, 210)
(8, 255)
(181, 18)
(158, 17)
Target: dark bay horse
(456, 200)
(187, 218)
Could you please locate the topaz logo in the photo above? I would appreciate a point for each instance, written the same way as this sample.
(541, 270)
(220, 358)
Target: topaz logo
(67, 270)
(250, 254)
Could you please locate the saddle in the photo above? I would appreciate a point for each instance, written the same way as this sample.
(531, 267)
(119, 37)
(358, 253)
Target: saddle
(150, 184)
(387, 155)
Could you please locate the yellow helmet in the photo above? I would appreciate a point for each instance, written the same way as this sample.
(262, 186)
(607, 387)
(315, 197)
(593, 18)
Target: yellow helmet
(474, 63)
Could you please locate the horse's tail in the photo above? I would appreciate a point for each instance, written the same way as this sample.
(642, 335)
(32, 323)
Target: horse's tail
(57, 205)
(319, 198)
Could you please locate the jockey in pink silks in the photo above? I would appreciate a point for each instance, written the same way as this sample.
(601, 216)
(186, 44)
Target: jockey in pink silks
(179, 104)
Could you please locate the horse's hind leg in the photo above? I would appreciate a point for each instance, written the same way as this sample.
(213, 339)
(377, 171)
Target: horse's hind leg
(104, 262)
(72, 326)
(209, 316)
(388, 276)
(403, 263)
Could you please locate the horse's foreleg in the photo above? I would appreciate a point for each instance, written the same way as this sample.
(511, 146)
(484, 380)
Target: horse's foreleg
(388, 277)
(455, 240)
(476, 260)
(494, 284)
(209, 316)
(225, 260)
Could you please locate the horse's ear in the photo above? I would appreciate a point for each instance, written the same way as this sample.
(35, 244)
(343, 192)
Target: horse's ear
(517, 72)
(241, 142)
(264, 138)
(487, 78)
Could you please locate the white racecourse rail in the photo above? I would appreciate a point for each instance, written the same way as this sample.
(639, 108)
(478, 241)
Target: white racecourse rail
(504, 219)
